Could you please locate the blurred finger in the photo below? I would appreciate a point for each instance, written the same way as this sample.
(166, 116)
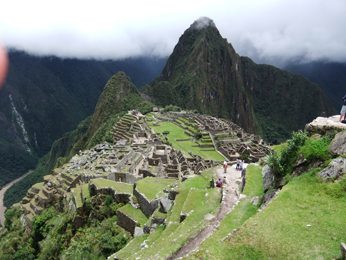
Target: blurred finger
(3, 65)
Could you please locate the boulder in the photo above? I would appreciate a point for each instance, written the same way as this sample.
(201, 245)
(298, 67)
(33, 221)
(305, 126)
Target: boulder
(334, 170)
(255, 201)
(172, 194)
(158, 220)
(268, 178)
(338, 145)
(138, 232)
(268, 196)
(165, 205)
(324, 125)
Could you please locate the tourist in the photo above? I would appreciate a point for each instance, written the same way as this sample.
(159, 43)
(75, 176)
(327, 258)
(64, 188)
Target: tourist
(343, 110)
(225, 165)
(219, 183)
(212, 183)
(238, 165)
(241, 165)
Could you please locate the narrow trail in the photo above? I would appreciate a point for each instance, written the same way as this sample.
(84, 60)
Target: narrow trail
(230, 198)
(2, 193)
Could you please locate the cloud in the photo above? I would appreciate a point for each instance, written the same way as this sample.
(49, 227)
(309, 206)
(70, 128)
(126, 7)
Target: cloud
(202, 22)
(266, 30)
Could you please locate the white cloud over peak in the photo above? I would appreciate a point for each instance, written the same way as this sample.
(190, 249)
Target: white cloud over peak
(262, 29)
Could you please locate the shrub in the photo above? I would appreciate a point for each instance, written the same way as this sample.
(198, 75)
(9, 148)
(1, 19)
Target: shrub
(282, 162)
(11, 214)
(197, 135)
(316, 149)
(172, 108)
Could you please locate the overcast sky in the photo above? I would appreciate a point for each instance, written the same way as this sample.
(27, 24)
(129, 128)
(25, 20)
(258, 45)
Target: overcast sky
(261, 29)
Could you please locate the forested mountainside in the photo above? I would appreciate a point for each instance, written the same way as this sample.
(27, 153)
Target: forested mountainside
(331, 76)
(44, 97)
(118, 96)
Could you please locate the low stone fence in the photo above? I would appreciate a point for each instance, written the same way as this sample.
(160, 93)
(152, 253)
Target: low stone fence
(147, 207)
(126, 222)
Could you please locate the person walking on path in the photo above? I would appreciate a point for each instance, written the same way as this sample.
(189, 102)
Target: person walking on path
(241, 165)
(238, 165)
(343, 110)
(225, 165)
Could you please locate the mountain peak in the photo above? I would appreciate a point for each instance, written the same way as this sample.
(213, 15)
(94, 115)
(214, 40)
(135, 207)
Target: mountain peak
(202, 22)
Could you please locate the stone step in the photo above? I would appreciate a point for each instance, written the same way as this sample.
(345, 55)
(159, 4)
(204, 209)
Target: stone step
(25, 200)
(67, 177)
(35, 208)
(28, 209)
(30, 194)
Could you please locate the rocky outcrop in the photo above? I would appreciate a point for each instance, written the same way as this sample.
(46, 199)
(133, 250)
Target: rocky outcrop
(268, 178)
(334, 170)
(325, 125)
(338, 145)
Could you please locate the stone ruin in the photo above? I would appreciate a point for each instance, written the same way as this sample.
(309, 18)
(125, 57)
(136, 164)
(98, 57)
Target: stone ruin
(231, 140)
(227, 137)
(136, 153)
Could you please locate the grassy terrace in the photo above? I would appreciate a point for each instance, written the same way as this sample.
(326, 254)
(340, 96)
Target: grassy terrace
(77, 196)
(215, 247)
(133, 213)
(176, 133)
(119, 187)
(79, 192)
(151, 187)
(279, 147)
(38, 185)
(194, 196)
(85, 191)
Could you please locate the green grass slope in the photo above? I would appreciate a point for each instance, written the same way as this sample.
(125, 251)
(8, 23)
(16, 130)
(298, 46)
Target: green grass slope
(305, 221)
(151, 187)
(194, 197)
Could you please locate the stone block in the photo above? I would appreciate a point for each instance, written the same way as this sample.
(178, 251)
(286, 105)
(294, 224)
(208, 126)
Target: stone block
(338, 144)
(334, 170)
(165, 205)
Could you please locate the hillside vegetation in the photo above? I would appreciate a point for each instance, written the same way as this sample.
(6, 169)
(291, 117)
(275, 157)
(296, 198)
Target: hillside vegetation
(51, 96)
(118, 97)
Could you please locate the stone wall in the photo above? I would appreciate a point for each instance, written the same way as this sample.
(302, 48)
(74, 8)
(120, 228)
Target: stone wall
(147, 207)
(126, 222)
(118, 197)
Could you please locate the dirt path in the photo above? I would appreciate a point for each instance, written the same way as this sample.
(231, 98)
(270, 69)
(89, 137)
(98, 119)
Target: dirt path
(2, 193)
(230, 198)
